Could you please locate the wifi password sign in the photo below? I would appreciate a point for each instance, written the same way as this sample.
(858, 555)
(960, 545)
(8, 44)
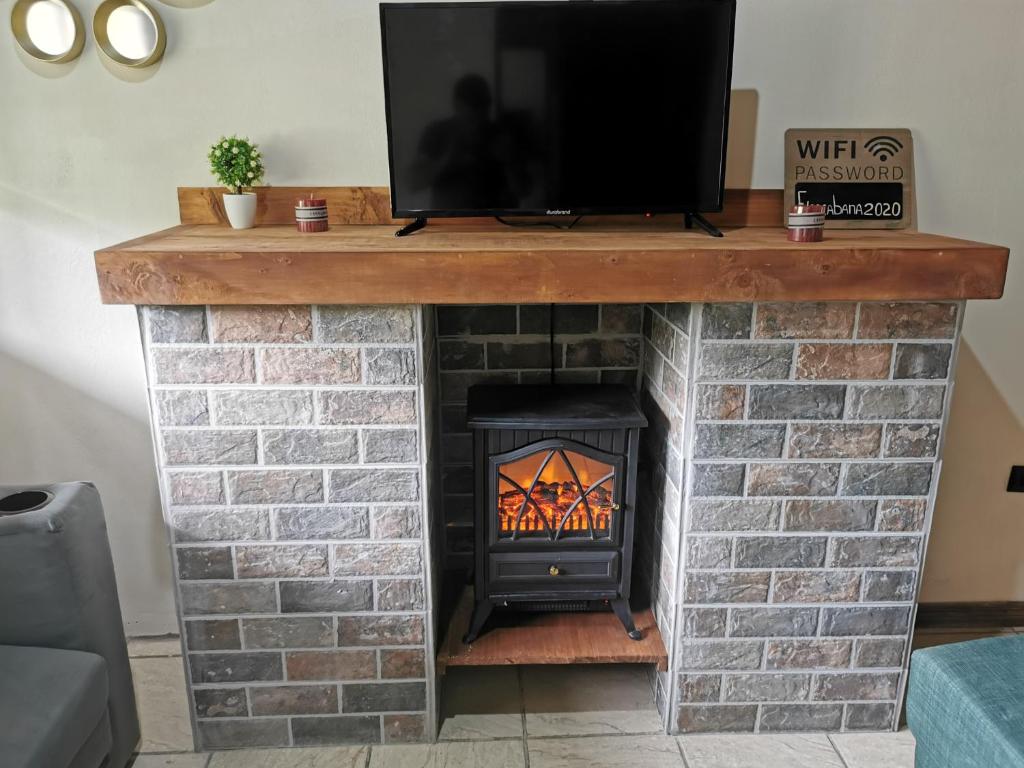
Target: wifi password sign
(883, 147)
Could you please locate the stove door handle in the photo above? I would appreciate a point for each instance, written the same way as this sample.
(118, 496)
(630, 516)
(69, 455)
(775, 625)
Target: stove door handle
(553, 570)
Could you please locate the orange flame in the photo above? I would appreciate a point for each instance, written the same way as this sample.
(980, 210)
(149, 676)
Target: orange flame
(554, 500)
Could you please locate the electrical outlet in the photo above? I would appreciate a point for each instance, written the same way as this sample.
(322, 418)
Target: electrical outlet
(1016, 484)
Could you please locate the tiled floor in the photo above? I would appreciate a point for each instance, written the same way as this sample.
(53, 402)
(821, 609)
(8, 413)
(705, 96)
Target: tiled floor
(529, 717)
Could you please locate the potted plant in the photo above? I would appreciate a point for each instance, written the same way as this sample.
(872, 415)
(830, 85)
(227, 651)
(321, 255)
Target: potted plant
(238, 165)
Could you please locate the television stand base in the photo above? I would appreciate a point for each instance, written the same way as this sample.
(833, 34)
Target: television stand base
(689, 219)
(412, 226)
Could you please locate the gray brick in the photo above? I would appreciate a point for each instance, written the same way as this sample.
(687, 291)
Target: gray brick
(194, 365)
(177, 325)
(368, 406)
(213, 635)
(402, 663)
(762, 687)
(603, 353)
(708, 552)
(209, 446)
(922, 361)
(377, 560)
(695, 688)
(791, 479)
(290, 632)
(459, 355)
(870, 551)
(870, 717)
(366, 324)
(380, 630)
(276, 486)
(911, 440)
(865, 620)
(390, 366)
(400, 595)
(885, 479)
(738, 515)
(717, 718)
(805, 320)
(569, 318)
(879, 652)
(310, 365)
(816, 587)
(801, 717)
(829, 515)
(294, 700)
(195, 563)
(622, 318)
(834, 441)
(901, 515)
(773, 622)
(894, 401)
(363, 485)
(311, 446)
(221, 525)
(182, 408)
(220, 702)
(726, 321)
(263, 406)
(383, 697)
(843, 687)
(745, 361)
(661, 333)
(721, 654)
(455, 386)
(234, 667)
(522, 354)
(738, 441)
(907, 320)
(808, 654)
(718, 479)
(200, 599)
(476, 320)
(243, 734)
(281, 561)
(390, 446)
(796, 401)
(721, 401)
(187, 489)
(885, 586)
(326, 596)
(317, 523)
(703, 622)
(325, 731)
(726, 587)
(678, 313)
(780, 551)
(396, 522)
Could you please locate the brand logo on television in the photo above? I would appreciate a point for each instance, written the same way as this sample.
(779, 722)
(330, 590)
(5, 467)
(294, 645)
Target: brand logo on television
(558, 212)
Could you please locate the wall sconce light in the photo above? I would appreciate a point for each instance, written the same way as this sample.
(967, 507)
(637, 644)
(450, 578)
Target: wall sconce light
(48, 30)
(129, 32)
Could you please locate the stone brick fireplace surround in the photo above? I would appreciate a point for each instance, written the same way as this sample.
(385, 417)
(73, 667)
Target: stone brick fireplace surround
(787, 482)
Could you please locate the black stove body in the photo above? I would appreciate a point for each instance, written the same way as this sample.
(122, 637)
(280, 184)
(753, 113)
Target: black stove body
(555, 494)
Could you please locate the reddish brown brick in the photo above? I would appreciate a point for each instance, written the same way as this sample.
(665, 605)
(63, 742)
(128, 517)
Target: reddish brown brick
(902, 515)
(402, 663)
(331, 665)
(278, 324)
(400, 729)
(843, 361)
(907, 320)
(720, 401)
(817, 320)
(294, 700)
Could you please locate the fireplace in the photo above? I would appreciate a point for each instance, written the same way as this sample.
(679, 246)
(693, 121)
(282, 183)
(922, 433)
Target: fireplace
(555, 491)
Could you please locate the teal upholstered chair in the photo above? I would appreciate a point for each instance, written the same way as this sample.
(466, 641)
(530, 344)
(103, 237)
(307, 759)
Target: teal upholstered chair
(965, 705)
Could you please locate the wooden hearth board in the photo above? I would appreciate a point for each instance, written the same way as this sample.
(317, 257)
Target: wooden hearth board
(552, 638)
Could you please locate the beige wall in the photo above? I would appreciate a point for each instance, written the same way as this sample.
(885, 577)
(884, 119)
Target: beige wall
(88, 158)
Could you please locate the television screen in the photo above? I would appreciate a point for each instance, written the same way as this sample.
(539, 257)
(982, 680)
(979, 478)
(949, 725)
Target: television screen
(617, 106)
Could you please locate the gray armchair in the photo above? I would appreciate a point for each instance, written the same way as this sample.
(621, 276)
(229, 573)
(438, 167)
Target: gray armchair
(66, 698)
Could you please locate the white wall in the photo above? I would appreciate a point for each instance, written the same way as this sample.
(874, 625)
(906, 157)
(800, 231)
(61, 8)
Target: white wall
(88, 158)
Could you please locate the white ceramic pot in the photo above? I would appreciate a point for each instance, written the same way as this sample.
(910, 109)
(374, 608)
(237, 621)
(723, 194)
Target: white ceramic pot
(241, 209)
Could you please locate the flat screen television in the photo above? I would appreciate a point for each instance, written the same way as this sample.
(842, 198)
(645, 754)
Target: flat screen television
(545, 108)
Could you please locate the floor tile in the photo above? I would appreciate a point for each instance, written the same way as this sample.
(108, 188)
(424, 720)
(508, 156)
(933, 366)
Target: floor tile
(185, 760)
(327, 757)
(876, 750)
(761, 751)
(605, 752)
(466, 727)
(164, 645)
(593, 723)
(587, 688)
(459, 754)
(163, 708)
(481, 703)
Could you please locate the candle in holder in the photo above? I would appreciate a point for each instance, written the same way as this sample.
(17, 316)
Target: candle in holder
(311, 214)
(806, 223)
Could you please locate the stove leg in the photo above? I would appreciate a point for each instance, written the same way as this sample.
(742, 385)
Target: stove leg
(621, 607)
(481, 611)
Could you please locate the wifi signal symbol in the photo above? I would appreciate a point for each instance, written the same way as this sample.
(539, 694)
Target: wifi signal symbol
(883, 147)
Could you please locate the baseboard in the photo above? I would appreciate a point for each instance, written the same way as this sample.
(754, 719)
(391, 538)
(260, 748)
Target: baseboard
(973, 615)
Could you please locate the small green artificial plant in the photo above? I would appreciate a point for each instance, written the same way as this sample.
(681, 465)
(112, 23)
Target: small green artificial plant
(237, 163)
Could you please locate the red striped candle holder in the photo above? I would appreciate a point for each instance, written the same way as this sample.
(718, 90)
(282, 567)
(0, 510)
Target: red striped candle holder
(806, 223)
(311, 214)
